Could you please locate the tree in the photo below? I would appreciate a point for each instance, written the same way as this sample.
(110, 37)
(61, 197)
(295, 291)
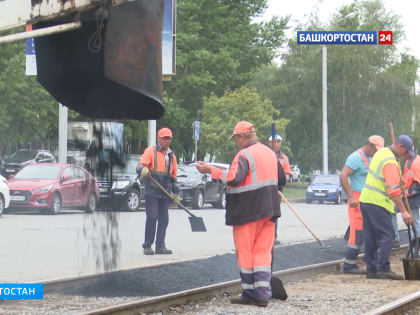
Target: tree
(27, 111)
(220, 114)
(368, 86)
(218, 47)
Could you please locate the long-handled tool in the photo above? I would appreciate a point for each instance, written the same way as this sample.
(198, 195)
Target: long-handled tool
(277, 289)
(197, 223)
(411, 265)
(416, 240)
(323, 246)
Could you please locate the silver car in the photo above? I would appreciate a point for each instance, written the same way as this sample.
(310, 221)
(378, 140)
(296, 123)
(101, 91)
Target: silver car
(4, 194)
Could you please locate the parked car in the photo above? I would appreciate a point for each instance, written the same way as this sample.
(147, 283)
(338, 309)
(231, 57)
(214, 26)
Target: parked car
(23, 157)
(197, 189)
(125, 191)
(295, 176)
(49, 187)
(325, 188)
(4, 194)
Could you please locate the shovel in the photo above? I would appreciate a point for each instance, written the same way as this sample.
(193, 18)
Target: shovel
(278, 291)
(411, 265)
(197, 223)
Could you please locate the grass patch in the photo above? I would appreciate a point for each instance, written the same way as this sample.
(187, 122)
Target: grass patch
(295, 190)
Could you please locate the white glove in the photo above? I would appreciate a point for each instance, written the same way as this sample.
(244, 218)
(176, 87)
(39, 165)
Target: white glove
(144, 172)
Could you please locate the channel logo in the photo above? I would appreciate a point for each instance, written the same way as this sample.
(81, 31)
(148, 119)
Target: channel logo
(21, 291)
(344, 37)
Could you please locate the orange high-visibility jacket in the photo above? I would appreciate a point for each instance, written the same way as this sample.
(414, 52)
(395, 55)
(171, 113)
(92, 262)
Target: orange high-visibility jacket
(154, 159)
(252, 183)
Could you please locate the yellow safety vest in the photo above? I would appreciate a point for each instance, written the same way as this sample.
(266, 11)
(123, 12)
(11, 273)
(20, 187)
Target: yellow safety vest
(374, 190)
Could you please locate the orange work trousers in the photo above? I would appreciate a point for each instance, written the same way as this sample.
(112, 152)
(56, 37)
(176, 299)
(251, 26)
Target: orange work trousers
(355, 222)
(253, 243)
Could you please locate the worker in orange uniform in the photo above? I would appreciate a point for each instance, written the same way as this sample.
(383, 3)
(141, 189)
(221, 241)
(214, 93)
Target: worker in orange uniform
(411, 178)
(355, 171)
(159, 162)
(284, 162)
(379, 194)
(253, 205)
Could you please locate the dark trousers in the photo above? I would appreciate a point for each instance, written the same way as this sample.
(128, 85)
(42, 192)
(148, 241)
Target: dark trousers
(156, 212)
(378, 234)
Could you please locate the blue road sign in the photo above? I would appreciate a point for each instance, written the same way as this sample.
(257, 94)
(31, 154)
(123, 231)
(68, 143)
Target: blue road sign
(196, 131)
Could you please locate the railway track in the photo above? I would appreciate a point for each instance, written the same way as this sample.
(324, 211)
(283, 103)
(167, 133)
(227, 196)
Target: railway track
(313, 289)
(163, 304)
(404, 305)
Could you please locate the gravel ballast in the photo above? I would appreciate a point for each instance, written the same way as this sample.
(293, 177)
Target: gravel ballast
(134, 285)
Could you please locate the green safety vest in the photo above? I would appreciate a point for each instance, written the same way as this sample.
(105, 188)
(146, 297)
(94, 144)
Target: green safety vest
(374, 190)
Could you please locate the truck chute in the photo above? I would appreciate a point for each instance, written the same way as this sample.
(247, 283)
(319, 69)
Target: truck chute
(110, 67)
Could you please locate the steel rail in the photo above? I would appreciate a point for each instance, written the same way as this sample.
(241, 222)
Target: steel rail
(400, 306)
(156, 304)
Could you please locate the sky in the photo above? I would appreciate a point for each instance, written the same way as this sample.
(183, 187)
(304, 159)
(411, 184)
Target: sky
(300, 10)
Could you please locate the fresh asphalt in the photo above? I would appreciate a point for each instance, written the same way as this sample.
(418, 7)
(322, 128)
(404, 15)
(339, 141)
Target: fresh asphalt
(160, 280)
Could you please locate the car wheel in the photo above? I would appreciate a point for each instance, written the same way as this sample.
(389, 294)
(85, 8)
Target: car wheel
(198, 201)
(1, 205)
(55, 204)
(91, 203)
(132, 200)
(308, 201)
(338, 200)
(221, 204)
(321, 201)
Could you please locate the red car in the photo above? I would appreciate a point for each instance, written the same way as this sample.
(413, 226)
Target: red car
(53, 186)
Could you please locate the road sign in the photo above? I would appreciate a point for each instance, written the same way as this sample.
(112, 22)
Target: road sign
(196, 130)
(30, 54)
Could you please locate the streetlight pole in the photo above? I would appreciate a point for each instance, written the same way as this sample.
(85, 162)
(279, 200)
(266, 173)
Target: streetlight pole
(324, 112)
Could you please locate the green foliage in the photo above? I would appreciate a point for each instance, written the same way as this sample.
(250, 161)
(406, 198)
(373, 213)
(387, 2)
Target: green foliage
(368, 86)
(27, 111)
(218, 48)
(220, 114)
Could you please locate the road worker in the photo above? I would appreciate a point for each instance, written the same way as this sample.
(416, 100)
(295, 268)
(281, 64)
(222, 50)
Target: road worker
(354, 171)
(411, 179)
(253, 205)
(159, 162)
(275, 145)
(379, 194)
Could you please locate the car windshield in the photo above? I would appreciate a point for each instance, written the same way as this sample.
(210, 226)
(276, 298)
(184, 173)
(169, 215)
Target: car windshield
(332, 180)
(130, 167)
(38, 172)
(24, 155)
(187, 171)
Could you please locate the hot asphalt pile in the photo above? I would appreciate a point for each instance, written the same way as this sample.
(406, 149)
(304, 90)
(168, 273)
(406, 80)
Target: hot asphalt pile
(155, 281)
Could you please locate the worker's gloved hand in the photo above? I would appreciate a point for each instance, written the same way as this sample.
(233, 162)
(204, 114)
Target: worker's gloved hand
(144, 172)
(175, 197)
(407, 218)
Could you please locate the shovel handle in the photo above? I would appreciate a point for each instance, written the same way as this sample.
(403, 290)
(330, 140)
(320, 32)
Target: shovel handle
(300, 218)
(169, 195)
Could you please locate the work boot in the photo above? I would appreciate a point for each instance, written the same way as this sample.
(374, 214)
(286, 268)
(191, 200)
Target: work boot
(247, 301)
(389, 275)
(148, 251)
(396, 244)
(370, 275)
(354, 271)
(163, 251)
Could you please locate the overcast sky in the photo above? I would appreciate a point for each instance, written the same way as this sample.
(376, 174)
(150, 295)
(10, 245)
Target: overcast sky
(299, 10)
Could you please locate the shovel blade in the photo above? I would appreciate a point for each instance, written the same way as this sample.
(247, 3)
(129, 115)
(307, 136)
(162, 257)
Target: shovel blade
(411, 268)
(277, 289)
(197, 224)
